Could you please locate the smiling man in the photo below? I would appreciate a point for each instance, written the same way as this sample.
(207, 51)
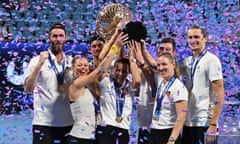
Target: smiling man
(47, 78)
(203, 77)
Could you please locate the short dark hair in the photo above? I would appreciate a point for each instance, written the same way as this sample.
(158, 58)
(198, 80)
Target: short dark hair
(123, 61)
(96, 37)
(57, 26)
(169, 40)
(204, 32)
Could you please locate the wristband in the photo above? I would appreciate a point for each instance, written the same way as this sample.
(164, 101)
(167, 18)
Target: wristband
(212, 124)
(114, 49)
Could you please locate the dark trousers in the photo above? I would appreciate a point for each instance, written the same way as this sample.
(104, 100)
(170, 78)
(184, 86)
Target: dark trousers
(143, 136)
(50, 135)
(193, 135)
(158, 136)
(111, 135)
(75, 140)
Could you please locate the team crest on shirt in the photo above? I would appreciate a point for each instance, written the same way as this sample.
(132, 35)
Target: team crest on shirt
(168, 93)
(126, 91)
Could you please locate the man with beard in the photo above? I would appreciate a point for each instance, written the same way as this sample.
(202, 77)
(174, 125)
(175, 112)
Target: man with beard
(48, 78)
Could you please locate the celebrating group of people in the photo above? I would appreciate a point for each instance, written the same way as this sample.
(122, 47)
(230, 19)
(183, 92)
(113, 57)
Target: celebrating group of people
(76, 102)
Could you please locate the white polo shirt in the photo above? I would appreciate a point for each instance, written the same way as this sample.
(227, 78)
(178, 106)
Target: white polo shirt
(108, 104)
(168, 115)
(201, 99)
(145, 105)
(51, 107)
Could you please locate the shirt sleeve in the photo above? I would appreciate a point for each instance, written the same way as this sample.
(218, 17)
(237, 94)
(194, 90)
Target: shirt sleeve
(214, 69)
(32, 64)
(180, 93)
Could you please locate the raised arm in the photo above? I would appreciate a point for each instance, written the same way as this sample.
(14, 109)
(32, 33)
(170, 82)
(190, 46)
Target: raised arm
(133, 65)
(148, 57)
(31, 81)
(96, 73)
(108, 45)
(147, 71)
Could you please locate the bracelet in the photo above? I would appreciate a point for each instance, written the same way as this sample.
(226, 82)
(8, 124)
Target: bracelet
(171, 139)
(114, 49)
(212, 124)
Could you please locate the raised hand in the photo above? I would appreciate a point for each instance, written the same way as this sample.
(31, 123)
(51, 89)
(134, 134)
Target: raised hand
(138, 51)
(43, 57)
(121, 39)
(131, 47)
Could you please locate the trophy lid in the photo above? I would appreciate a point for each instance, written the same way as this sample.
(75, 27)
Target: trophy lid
(136, 31)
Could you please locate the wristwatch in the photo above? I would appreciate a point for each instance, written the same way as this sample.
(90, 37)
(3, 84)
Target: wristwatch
(171, 139)
(133, 60)
(141, 65)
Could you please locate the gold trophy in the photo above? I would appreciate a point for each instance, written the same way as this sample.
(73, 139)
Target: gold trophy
(110, 17)
(114, 14)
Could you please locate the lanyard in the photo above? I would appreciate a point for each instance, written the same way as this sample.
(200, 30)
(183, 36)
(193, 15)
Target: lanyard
(160, 97)
(194, 65)
(120, 97)
(59, 75)
(96, 107)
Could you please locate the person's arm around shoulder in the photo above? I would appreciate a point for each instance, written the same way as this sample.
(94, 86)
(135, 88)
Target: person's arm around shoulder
(31, 81)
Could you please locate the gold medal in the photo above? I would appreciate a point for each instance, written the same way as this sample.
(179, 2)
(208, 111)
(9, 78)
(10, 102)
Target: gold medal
(67, 70)
(97, 116)
(61, 88)
(119, 119)
(155, 118)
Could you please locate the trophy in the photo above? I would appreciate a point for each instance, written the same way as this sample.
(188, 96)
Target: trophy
(112, 15)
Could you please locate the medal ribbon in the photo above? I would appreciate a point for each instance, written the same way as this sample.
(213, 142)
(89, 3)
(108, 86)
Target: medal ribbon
(120, 97)
(59, 75)
(160, 97)
(194, 65)
(96, 107)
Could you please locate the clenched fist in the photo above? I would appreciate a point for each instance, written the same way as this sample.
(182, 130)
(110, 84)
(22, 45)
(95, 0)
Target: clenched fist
(43, 57)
